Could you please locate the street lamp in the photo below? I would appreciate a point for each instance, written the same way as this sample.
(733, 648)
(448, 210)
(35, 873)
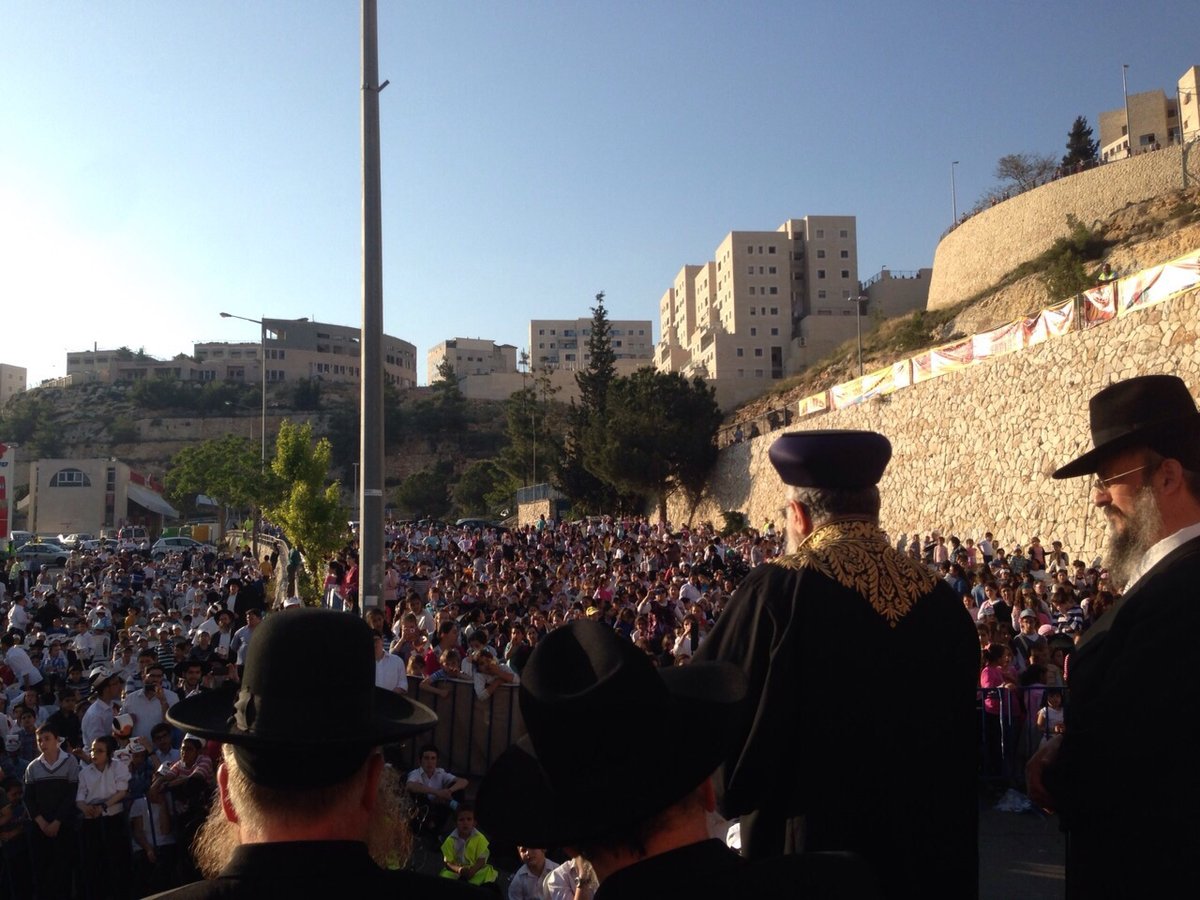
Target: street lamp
(263, 332)
(953, 194)
(858, 301)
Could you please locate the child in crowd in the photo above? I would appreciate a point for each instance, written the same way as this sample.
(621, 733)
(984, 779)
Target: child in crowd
(465, 850)
(1050, 716)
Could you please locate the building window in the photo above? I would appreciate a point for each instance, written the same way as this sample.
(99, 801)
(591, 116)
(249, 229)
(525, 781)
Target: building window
(820, 295)
(774, 290)
(820, 254)
(771, 270)
(753, 332)
(844, 233)
(752, 309)
(845, 273)
(758, 373)
(749, 270)
(820, 232)
(70, 478)
(740, 352)
(770, 249)
(845, 254)
(758, 351)
(749, 248)
(774, 310)
(820, 273)
(774, 332)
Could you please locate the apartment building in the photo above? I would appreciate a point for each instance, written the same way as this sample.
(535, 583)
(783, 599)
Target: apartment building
(768, 304)
(13, 380)
(471, 357)
(1154, 119)
(67, 495)
(562, 343)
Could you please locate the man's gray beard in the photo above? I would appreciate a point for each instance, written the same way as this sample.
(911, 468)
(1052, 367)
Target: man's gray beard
(389, 840)
(1126, 547)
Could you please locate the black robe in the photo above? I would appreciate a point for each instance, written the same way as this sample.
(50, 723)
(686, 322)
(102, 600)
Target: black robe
(1126, 780)
(862, 735)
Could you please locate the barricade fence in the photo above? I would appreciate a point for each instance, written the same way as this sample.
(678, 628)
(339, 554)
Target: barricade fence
(1009, 733)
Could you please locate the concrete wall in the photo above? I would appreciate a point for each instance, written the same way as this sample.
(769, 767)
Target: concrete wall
(986, 246)
(973, 451)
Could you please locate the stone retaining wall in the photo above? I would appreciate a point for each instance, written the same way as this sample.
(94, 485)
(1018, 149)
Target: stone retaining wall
(973, 451)
(974, 255)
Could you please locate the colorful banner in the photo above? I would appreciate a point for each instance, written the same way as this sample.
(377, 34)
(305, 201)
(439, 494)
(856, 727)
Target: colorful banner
(1054, 321)
(814, 404)
(942, 360)
(1099, 304)
(1158, 284)
(1005, 339)
(873, 384)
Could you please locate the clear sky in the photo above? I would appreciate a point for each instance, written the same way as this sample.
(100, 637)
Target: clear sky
(161, 162)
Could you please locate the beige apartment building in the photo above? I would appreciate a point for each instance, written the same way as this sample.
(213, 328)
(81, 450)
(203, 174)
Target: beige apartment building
(296, 349)
(768, 304)
(562, 343)
(471, 357)
(890, 294)
(1155, 120)
(73, 495)
(13, 380)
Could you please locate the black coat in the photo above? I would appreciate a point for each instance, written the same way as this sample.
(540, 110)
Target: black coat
(862, 736)
(1126, 779)
(314, 870)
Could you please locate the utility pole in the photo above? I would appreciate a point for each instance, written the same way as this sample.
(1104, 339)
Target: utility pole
(1128, 124)
(953, 195)
(370, 500)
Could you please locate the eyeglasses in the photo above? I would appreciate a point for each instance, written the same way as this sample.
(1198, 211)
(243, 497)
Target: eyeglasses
(1104, 485)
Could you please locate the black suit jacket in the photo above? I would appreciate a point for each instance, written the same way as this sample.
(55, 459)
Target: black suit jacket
(1127, 778)
(320, 870)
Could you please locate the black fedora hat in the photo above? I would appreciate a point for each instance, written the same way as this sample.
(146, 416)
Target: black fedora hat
(1155, 411)
(611, 740)
(300, 664)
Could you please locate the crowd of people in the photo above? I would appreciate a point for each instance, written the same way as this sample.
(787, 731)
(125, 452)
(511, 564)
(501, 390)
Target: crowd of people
(102, 793)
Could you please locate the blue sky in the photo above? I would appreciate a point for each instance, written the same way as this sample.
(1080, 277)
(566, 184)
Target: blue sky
(161, 162)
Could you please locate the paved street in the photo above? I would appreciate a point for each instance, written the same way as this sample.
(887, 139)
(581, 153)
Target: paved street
(1020, 855)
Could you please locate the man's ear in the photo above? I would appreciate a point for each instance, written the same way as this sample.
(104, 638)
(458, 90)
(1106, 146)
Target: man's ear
(223, 793)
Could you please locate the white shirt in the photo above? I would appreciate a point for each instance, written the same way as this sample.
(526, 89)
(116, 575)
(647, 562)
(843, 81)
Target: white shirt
(22, 667)
(1156, 553)
(96, 786)
(146, 711)
(390, 674)
(527, 886)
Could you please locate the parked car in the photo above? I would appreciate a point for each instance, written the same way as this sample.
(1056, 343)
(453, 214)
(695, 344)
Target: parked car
(42, 553)
(74, 541)
(97, 543)
(166, 545)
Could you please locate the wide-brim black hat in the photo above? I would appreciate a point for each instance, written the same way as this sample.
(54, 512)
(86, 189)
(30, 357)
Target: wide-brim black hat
(1155, 411)
(299, 665)
(611, 739)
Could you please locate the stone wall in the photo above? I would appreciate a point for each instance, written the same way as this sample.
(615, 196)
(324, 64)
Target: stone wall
(973, 451)
(986, 246)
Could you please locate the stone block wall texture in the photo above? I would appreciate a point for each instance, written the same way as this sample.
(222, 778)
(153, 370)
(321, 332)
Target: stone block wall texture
(989, 244)
(973, 450)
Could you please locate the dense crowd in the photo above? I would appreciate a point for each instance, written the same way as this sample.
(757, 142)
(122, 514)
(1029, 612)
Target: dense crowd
(102, 790)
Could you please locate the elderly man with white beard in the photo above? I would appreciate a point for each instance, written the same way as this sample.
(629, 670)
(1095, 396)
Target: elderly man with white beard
(1121, 777)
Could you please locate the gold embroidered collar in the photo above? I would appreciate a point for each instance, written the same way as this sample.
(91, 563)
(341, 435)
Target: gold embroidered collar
(856, 555)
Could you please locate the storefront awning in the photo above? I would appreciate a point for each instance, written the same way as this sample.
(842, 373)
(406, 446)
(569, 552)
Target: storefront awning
(146, 498)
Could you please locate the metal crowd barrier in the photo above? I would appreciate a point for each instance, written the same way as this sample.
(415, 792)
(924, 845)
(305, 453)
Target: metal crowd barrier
(471, 733)
(1008, 740)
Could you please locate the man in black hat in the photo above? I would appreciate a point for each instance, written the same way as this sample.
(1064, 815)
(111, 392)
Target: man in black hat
(297, 803)
(1127, 794)
(863, 735)
(645, 833)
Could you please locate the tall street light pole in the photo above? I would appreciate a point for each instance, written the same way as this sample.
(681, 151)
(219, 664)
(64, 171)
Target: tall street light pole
(858, 301)
(263, 342)
(370, 500)
(1128, 124)
(953, 194)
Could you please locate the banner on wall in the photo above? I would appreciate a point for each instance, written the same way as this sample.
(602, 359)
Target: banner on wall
(873, 384)
(1159, 283)
(1005, 339)
(1099, 304)
(1054, 321)
(813, 404)
(942, 360)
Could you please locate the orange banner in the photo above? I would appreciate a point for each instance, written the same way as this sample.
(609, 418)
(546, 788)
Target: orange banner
(873, 384)
(1054, 321)
(1158, 284)
(1005, 339)
(1099, 304)
(816, 403)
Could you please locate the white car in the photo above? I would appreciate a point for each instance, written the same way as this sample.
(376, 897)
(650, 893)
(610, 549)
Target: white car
(166, 545)
(74, 541)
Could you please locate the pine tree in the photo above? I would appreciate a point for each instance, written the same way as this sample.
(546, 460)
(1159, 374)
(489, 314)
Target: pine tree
(1081, 148)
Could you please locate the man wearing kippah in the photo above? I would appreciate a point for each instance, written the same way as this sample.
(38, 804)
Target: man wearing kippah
(1126, 793)
(863, 735)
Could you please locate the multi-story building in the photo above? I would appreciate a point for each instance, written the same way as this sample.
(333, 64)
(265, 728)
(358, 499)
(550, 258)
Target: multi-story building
(1154, 119)
(890, 294)
(471, 356)
(296, 349)
(562, 343)
(13, 380)
(768, 304)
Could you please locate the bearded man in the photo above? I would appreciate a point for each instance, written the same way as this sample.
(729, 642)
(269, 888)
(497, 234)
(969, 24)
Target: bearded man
(1126, 790)
(302, 810)
(862, 735)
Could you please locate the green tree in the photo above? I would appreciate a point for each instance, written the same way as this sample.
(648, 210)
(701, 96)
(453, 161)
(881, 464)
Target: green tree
(574, 472)
(227, 469)
(426, 493)
(482, 488)
(1065, 273)
(1081, 147)
(306, 394)
(309, 507)
(659, 436)
(444, 413)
